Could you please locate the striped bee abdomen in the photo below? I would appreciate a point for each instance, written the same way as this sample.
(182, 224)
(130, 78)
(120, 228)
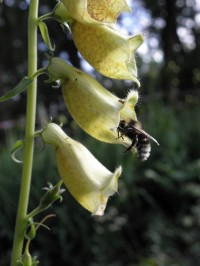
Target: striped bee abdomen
(143, 147)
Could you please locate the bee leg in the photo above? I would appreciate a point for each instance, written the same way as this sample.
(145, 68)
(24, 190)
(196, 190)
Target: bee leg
(121, 101)
(120, 135)
(131, 146)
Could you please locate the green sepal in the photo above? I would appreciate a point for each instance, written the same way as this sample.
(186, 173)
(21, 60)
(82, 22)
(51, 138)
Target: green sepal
(35, 261)
(53, 193)
(21, 86)
(45, 35)
(16, 147)
(61, 13)
(20, 263)
(27, 260)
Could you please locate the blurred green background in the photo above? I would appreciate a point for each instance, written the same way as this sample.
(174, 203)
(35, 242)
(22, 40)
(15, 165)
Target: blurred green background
(155, 218)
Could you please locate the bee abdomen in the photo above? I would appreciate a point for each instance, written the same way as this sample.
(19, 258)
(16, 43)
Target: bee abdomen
(143, 148)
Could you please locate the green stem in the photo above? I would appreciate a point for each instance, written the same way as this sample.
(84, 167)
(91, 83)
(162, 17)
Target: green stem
(34, 212)
(21, 219)
(39, 72)
(46, 16)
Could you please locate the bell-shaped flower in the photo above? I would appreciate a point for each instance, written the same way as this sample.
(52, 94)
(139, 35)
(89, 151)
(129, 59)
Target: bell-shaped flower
(104, 48)
(95, 109)
(109, 52)
(88, 181)
(94, 11)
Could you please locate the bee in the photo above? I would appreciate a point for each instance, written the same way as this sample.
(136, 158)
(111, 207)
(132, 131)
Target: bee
(140, 138)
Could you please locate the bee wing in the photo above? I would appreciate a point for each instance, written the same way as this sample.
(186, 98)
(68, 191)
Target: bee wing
(146, 134)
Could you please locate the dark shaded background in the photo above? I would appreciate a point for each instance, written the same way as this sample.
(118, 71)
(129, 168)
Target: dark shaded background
(155, 218)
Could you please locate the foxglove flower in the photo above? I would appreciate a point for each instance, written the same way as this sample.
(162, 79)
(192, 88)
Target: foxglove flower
(108, 51)
(94, 11)
(96, 110)
(89, 182)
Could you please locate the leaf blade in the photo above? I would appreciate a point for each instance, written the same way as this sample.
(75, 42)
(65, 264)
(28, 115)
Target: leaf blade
(16, 147)
(45, 35)
(19, 88)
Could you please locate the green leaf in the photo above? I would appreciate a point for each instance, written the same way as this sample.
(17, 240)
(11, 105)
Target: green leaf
(45, 35)
(17, 146)
(21, 86)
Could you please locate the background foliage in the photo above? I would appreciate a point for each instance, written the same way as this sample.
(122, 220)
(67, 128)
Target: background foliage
(155, 219)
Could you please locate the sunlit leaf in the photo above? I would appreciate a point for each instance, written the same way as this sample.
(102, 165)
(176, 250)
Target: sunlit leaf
(21, 86)
(45, 35)
(16, 147)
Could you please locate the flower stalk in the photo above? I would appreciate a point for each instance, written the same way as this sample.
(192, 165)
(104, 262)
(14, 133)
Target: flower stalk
(21, 219)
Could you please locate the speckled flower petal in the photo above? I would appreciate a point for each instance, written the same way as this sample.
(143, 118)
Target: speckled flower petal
(106, 10)
(110, 53)
(94, 11)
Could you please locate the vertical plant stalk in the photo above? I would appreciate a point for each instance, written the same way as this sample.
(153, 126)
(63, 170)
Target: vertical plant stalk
(29, 135)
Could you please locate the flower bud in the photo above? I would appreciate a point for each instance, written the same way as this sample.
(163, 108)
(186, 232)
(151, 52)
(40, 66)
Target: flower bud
(27, 259)
(52, 194)
(89, 182)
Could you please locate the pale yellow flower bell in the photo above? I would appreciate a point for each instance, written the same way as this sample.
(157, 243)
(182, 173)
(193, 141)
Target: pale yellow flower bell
(95, 109)
(94, 11)
(109, 52)
(89, 182)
